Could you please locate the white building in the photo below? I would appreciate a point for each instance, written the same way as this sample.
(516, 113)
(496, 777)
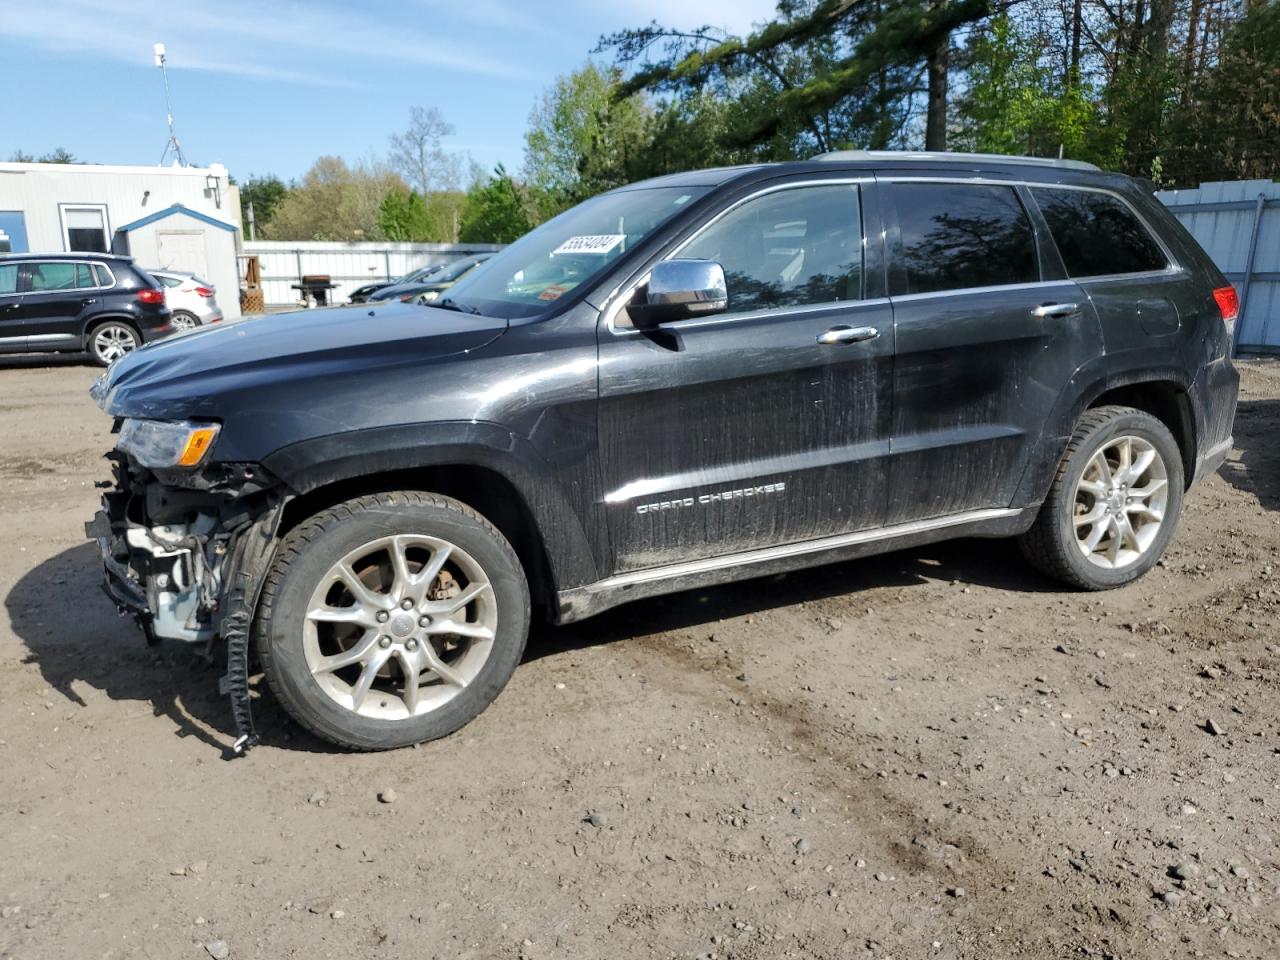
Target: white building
(166, 218)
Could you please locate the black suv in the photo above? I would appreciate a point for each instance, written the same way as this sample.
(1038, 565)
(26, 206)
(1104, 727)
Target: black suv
(695, 379)
(78, 301)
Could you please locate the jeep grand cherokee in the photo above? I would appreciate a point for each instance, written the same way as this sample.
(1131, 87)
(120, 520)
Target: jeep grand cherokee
(699, 378)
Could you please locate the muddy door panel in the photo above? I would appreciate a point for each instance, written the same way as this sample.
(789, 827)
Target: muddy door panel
(732, 433)
(977, 375)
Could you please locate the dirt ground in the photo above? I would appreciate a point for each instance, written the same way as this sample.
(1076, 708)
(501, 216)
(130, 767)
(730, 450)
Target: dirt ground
(931, 754)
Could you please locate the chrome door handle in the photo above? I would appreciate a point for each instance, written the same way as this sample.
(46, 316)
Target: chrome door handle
(1055, 310)
(843, 334)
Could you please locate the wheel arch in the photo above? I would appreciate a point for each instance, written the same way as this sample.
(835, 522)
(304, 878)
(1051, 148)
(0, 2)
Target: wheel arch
(1165, 393)
(515, 493)
(94, 322)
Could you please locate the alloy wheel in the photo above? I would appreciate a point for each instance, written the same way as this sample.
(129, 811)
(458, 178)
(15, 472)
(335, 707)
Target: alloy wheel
(399, 626)
(112, 341)
(1120, 502)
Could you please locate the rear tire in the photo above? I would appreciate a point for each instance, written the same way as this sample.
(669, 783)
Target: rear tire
(1114, 503)
(182, 320)
(391, 619)
(111, 340)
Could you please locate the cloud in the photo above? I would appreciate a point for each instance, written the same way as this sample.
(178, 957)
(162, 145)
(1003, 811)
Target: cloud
(279, 42)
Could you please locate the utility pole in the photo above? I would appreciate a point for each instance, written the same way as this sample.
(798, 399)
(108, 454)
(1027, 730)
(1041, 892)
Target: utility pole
(172, 144)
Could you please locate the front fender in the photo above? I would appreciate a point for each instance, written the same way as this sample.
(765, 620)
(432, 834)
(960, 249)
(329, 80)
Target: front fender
(311, 464)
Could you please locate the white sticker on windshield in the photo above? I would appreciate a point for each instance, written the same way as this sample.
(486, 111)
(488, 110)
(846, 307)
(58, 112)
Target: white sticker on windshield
(594, 243)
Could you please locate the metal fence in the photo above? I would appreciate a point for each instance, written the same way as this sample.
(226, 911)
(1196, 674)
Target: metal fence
(349, 265)
(1238, 224)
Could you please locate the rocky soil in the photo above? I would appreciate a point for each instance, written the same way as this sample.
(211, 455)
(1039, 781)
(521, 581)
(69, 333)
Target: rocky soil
(931, 754)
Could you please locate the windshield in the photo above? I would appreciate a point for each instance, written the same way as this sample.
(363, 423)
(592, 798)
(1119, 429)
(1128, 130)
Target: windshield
(527, 277)
(453, 271)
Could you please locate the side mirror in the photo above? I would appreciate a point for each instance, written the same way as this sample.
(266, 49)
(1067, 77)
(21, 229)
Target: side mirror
(680, 289)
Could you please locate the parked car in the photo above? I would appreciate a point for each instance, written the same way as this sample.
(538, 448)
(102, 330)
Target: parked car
(428, 289)
(192, 300)
(362, 294)
(58, 302)
(701, 378)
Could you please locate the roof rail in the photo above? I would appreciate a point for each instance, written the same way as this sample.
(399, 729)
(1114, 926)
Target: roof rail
(936, 156)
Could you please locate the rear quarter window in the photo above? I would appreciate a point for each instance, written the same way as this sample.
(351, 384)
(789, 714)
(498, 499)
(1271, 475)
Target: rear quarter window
(1097, 234)
(954, 236)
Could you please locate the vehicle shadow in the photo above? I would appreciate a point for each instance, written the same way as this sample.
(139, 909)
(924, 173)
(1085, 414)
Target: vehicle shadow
(990, 563)
(30, 361)
(75, 638)
(1257, 469)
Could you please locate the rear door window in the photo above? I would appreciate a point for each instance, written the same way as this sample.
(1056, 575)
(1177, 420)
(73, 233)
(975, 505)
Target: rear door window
(52, 276)
(801, 245)
(8, 278)
(954, 236)
(1097, 234)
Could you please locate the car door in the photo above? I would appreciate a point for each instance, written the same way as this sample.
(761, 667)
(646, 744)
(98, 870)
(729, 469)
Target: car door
(58, 294)
(986, 343)
(766, 424)
(13, 338)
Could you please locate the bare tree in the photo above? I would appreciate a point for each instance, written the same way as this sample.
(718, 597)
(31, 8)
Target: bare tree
(418, 155)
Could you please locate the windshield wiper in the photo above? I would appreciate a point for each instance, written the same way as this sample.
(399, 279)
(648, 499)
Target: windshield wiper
(450, 304)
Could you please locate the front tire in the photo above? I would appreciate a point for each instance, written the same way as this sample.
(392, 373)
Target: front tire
(391, 619)
(1114, 503)
(182, 320)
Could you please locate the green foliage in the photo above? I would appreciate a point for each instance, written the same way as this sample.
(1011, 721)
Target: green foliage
(56, 155)
(334, 201)
(1228, 127)
(494, 211)
(1016, 104)
(584, 138)
(265, 193)
(408, 216)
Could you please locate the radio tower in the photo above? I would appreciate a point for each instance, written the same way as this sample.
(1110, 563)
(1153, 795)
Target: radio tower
(173, 144)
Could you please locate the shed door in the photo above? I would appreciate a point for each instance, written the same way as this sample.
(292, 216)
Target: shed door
(182, 251)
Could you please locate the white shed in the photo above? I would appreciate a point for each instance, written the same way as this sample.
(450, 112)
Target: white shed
(184, 218)
(187, 241)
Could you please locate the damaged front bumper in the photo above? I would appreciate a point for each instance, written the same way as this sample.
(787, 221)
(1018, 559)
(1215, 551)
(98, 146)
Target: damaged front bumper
(166, 549)
(185, 555)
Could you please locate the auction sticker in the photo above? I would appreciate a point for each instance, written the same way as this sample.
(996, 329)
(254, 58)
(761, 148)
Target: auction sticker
(592, 243)
(552, 292)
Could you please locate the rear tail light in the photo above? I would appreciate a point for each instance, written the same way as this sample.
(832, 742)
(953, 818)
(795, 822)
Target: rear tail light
(1228, 302)
(151, 296)
(204, 291)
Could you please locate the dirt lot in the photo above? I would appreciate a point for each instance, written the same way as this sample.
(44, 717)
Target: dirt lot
(928, 754)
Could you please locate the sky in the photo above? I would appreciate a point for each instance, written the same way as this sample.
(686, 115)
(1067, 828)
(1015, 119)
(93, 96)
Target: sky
(266, 87)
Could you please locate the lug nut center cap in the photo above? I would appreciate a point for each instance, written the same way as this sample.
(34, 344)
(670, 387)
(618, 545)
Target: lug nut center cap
(402, 625)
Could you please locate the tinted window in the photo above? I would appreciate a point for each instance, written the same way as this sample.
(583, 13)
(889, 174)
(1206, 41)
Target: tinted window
(9, 278)
(53, 276)
(84, 275)
(1097, 234)
(168, 281)
(105, 279)
(792, 247)
(86, 229)
(959, 235)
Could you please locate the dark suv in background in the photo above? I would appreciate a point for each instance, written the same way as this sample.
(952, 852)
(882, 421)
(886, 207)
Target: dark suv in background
(700, 378)
(95, 302)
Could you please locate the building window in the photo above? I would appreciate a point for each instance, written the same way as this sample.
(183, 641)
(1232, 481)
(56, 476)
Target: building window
(84, 228)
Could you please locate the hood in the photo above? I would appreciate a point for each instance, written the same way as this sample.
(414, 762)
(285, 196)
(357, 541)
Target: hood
(190, 375)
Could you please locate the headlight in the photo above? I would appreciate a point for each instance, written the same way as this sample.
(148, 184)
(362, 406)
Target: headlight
(163, 443)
